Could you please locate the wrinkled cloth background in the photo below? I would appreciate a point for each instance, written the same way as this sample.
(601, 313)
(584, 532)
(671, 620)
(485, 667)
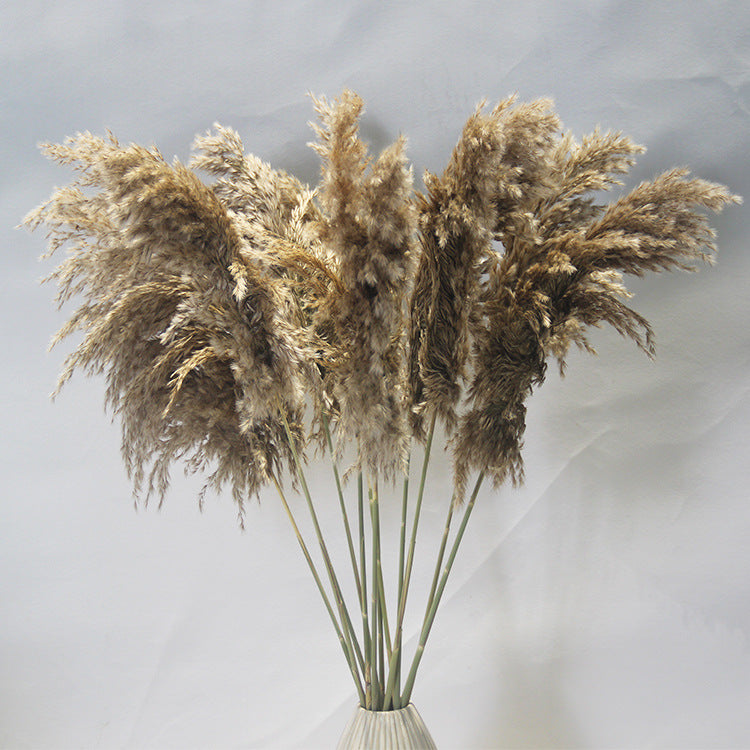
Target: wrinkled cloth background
(604, 604)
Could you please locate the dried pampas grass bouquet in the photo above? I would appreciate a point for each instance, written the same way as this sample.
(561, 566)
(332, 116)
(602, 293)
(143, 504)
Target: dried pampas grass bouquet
(246, 323)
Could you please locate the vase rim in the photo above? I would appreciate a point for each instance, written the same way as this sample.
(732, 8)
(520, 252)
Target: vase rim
(386, 710)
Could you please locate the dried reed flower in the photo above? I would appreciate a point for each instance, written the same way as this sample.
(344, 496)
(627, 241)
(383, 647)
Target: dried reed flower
(219, 313)
(197, 358)
(213, 309)
(367, 226)
(248, 187)
(491, 171)
(561, 273)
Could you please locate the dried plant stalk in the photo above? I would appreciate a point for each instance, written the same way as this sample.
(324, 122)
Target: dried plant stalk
(188, 332)
(555, 281)
(219, 314)
(368, 225)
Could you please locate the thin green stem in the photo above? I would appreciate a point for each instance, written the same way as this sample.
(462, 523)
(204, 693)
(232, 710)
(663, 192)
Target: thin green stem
(441, 553)
(375, 509)
(375, 619)
(409, 564)
(347, 653)
(349, 634)
(430, 614)
(381, 659)
(363, 599)
(384, 637)
(342, 504)
(401, 554)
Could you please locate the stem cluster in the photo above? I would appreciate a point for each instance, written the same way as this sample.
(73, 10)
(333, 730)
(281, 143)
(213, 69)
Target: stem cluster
(375, 654)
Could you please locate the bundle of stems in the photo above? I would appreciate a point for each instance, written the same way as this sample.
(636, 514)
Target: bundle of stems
(246, 323)
(376, 657)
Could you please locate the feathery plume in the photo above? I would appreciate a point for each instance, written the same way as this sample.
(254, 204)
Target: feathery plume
(219, 305)
(219, 313)
(196, 355)
(367, 225)
(562, 274)
(492, 170)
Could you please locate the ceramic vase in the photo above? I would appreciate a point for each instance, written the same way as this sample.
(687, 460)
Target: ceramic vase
(402, 729)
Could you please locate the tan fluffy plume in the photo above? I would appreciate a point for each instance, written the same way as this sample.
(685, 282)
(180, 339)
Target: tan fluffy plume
(219, 313)
(368, 227)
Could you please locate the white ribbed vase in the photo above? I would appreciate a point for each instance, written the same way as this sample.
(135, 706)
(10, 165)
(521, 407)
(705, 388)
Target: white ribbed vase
(402, 729)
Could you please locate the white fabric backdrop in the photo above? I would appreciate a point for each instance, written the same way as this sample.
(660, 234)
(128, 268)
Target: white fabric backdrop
(605, 604)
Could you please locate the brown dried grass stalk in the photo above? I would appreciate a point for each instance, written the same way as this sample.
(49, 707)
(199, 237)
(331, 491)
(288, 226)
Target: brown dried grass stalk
(221, 314)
